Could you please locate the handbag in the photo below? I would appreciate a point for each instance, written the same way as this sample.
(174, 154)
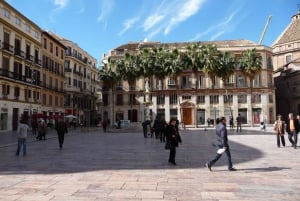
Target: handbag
(168, 144)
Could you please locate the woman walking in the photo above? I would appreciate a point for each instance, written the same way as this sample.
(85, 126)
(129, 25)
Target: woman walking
(279, 131)
(173, 138)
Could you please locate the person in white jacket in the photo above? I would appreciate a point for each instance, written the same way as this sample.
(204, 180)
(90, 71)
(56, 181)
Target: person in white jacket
(22, 136)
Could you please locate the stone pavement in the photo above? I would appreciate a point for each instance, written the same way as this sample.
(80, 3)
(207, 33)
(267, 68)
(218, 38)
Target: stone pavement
(118, 166)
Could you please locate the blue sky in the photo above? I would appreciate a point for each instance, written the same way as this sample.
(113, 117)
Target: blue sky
(98, 26)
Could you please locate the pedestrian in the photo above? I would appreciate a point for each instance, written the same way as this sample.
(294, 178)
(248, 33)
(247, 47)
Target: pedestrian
(292, 128)
(61, 129)
(222, 145)
(104, 125)
(34, 126)
(145, 125)
(22, 136)
(239, 123)
(163, 126)
(208, 121)
(42, 130)
(173, 139)
(279, 131)
(231, 123)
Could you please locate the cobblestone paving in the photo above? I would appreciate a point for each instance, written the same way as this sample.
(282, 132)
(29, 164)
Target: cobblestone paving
(116, 166)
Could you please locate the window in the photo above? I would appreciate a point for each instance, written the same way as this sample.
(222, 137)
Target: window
(228, 98)
(56, 101)
(256, 98)
(36, 35)
(200, 99)
(18, 21)
(50, 100)
(242, 98)
(173, 113)
(288, 58)
(160, 99)
(132, 99)
(173, 99)
(270, 98)
(241, 81)
(5, 89)
(256, 81)
(44, 99)
(6, 13)
(171, 81)
(269, 63)
(17, 92)
(51, 47)
(27, 28)
(45, 43)
(214, 99)
(200, 82)
(186, 97)
(185, 82)
(105, 99)
(119, 99)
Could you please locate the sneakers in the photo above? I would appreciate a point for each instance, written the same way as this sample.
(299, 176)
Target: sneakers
(232, 169)
(208, 166)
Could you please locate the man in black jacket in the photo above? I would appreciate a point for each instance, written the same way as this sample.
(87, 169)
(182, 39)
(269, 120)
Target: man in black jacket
(292, 128)
(222, 139)
(61, 128)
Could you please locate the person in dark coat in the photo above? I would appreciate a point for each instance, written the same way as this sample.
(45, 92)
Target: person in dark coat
(173, 138)
(221, 133)
(145, 125)
(292, 128)
(61, 128)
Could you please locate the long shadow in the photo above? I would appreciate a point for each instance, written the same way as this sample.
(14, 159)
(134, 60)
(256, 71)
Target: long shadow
(117, 151)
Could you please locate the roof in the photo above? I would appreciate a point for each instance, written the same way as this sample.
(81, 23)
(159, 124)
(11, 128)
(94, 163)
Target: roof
(223, 43)
(291, 33)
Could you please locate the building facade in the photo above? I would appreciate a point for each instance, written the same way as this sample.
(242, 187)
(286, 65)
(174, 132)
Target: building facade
(42, 75)
(194, 99)
(286, 59)
(52, 76)
(81, 83)
(20, 67)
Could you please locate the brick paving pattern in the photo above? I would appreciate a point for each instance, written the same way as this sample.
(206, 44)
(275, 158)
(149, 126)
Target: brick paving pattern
(118, 166)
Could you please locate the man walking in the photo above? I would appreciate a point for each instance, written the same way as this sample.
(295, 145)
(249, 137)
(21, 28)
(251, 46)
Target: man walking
(61, 128)
(292, 128)
(22, 136)
(222, 141)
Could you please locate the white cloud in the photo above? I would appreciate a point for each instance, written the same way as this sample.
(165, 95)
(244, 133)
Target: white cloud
(152, 20)
(218, 29)
(188, 9)
(170, 14)
(60, 3)
(128, 24)
(106, 8)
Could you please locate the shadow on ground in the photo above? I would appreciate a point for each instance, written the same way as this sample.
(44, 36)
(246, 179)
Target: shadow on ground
(117, 151)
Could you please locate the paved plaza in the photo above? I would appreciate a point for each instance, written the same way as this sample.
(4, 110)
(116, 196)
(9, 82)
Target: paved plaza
(124, 166)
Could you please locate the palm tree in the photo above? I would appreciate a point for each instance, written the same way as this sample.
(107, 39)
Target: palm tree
(250, 66)
(194, 59)
(210, 60)
(110, 77)
(225, 69)
(210, 57)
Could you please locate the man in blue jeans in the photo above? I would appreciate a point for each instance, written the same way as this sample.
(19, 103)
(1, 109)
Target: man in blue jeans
(222, 140)
(292, 128)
